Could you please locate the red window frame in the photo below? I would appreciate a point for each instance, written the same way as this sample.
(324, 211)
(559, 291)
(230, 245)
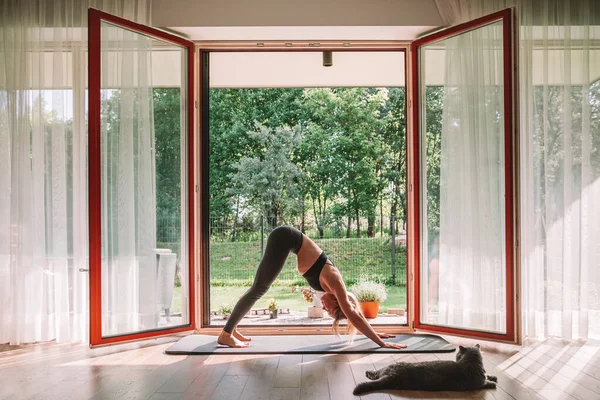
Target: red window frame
(507, 18)
(95, 17)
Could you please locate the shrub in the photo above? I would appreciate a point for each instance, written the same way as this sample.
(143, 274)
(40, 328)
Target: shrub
(273, 306)
(225, 309)
(367, 291)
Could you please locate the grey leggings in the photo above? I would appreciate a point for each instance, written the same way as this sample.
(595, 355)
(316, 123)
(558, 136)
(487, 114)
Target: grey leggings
(281, 241)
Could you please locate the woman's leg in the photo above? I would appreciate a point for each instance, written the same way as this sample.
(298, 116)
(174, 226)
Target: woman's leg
(281, 241)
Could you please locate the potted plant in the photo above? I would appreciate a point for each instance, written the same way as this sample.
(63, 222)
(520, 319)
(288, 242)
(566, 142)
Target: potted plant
(225, 310)
(310, 296)
(273, 308)
(369, 294)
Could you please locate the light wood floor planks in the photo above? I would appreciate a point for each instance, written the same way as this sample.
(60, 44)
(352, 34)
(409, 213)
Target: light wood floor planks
(552, 369)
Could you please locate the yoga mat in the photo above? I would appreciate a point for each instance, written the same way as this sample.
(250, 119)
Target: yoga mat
(311, 344)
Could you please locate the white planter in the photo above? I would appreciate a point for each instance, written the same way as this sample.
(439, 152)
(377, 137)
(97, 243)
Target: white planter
(317, 300)
(315, 312)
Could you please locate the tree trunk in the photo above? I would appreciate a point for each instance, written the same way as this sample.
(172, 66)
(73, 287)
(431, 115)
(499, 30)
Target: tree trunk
(371, 225)
(271, 219)
(303, 221)
(318, 217)
(381, 215)
(402, 184)
(357, 213)
(349, 227)
(237, 215)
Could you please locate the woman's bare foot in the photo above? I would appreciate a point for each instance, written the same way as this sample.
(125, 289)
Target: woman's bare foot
(241, 337)
(226, 339)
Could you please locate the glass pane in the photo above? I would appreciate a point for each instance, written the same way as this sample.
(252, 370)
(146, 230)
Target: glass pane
(144, 176)
(463, 265)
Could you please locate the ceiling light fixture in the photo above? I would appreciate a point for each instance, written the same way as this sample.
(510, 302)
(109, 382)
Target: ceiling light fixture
(327, 58)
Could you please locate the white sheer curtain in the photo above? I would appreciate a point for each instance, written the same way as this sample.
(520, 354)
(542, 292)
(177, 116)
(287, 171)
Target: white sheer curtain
(43, 166)
(559, 96)
(129, 302)
(472, 211)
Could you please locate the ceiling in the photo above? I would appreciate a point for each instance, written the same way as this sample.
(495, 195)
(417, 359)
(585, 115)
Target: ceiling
(297, 20)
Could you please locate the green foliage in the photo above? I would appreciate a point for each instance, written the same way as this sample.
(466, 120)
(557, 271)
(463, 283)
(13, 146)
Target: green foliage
(347, 125)
(225, 308)
(349, 146)
(167, 147)
(233, 116)
(394, 161)
(267, 180)
(433, 114)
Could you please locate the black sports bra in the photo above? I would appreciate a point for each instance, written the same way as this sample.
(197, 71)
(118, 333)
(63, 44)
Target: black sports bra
(314, 273)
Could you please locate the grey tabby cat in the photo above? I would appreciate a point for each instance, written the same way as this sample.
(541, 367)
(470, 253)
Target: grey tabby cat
(466, 373)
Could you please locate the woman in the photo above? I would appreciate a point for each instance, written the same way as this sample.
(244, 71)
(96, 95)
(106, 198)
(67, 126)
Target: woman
(321, 275)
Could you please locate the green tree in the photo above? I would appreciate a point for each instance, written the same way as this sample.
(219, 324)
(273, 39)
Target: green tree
(167, 135)
(233, 113)
(268, 180)
(394, 158)
(352, 117)
(314, 155)
(434, 103)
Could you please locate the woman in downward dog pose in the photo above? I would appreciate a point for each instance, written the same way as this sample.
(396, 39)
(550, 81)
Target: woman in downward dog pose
(321, 275)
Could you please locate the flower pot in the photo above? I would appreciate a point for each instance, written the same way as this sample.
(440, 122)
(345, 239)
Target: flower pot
(370, 309)
(315, 312)
(274, 314)
(317, 300)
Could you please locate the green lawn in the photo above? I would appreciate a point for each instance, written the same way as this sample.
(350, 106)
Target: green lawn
(235, 263)
(233, 266)
(293, 301)
(284, 296)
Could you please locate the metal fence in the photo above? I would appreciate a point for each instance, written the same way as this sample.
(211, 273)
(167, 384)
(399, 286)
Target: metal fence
(237, 247)
(168, 233)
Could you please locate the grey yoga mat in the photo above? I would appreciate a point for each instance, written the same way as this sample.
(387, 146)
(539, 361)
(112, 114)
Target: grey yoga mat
(311, 344)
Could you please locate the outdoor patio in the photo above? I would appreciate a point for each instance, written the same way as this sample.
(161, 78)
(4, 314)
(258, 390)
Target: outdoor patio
(301, 318)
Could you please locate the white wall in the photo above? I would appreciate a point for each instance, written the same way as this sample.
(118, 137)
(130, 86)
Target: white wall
(305, 69)
(211, 13)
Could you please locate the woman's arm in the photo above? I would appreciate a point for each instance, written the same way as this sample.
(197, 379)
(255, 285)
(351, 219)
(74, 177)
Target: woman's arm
(359, 321)
(337, 287)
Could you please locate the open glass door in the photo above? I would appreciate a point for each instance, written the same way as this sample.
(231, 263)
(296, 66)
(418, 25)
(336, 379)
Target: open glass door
(140, 181)
(463, 179)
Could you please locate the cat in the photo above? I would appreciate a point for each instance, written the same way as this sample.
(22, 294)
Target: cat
(466, 373)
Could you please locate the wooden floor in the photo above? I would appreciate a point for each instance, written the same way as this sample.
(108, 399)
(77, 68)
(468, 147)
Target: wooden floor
(551, 369)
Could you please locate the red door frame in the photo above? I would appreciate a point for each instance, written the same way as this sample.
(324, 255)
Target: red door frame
(94, 175)
(507, 18)
(205, 323)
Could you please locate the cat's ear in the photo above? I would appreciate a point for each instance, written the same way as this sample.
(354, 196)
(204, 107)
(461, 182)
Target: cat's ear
(461, 348)
(478, 346)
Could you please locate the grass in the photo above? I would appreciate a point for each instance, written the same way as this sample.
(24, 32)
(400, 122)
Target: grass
(284, 296)
(294, 301)
(234, 264)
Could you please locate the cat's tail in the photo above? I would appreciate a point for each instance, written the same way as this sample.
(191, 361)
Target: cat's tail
(368, 386)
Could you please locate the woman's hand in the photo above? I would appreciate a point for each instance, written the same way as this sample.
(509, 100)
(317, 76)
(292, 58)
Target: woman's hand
(389, 345)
